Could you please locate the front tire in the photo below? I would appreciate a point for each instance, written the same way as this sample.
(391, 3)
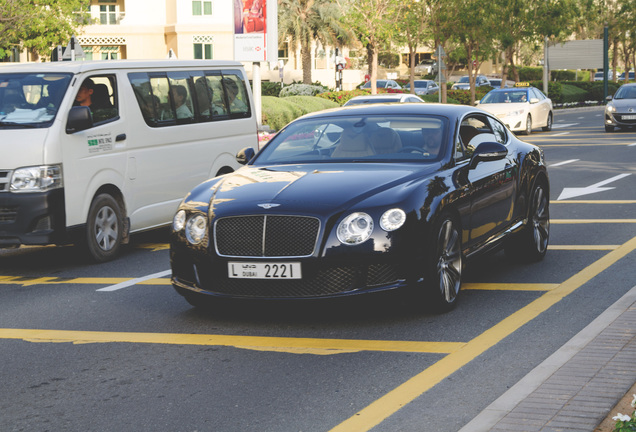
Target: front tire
(609, 128)
(531, 244)
(104, 228)
(443, 277)
(528, 129)
(548, 126)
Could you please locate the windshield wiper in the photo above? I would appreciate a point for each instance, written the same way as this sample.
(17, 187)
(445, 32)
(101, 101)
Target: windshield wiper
(25, 125)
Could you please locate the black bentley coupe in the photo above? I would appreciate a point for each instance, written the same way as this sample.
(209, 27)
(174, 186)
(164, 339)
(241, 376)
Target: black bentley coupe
(362, 199)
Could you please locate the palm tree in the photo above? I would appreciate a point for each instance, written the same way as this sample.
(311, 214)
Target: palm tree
(305, 21)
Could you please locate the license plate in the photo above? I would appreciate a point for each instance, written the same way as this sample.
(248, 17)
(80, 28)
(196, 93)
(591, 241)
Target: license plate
(629, 117)
(272, 270)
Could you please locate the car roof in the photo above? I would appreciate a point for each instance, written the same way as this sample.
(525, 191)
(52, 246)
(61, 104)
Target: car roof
(446, 110)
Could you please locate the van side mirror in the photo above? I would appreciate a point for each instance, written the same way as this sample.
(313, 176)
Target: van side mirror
(488, 151)
(79, 119)
(245, 155)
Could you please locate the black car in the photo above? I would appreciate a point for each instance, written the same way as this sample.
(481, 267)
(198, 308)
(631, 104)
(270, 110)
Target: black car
(362, 199)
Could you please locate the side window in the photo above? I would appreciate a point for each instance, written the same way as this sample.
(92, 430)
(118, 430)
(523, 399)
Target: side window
(215, 84)
(499, 130)
(473, 130)
(180, 96)
(190, 96)
(237, 100)
(99, 93)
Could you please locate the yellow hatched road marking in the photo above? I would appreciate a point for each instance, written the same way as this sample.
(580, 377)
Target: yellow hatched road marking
(389, 404)
(594, 202)
(583, 247)
(508, 286)
(19, 280)
(296, 345)
(590, 221)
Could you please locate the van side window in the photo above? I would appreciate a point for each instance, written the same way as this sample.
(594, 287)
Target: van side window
(236, 94)
(167, 99)
(99, 93)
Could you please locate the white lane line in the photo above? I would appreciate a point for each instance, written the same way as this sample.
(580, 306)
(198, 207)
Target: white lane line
(135, 281)
(631, 145)
(563, 163)
(564, 125)
(562, 133)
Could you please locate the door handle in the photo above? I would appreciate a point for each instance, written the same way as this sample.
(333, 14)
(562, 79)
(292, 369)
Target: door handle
(120, 137)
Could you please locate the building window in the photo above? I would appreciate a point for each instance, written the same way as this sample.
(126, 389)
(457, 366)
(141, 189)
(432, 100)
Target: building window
(203, 47)
(203, 51)
(107, 15)
(201, 7)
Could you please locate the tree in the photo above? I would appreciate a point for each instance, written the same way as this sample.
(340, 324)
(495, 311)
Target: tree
(39, 25)
(374, 23)
(413, 31)
(304, 21)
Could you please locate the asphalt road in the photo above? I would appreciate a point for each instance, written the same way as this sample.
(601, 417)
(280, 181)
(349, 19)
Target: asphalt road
(112, 347)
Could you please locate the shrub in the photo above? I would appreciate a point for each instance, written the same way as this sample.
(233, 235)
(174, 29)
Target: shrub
(527, 73)
(269, 88)
(301, 90)
(277, 112)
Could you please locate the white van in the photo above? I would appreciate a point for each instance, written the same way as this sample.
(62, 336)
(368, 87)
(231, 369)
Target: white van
(93, 151)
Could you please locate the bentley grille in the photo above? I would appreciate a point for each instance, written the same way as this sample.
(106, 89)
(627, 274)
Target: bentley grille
(266, 236)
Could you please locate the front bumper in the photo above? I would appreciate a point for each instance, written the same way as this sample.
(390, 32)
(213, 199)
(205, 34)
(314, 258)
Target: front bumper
(322, 277)
(620, 119)
(32, 218)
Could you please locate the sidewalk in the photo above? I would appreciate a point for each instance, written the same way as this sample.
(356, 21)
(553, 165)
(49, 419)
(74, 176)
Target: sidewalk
(575, 388)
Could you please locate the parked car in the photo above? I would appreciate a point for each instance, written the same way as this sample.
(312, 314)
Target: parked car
(426, 67)
(423, 87)
(464, 83)
(496, 83)
(383, 83)
(598, 76)
(384, 98)
(620, 110)
(521, 108)
(363, 199)
(630, 76)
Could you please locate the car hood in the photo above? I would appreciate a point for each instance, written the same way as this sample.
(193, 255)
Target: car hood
(624, 104)
(504, 108)
(315, 188)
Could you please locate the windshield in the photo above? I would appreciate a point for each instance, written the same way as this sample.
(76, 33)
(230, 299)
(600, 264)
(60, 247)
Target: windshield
(510, 96)
(358, 139)
(626, 92)
(463, 80)
(29, 99)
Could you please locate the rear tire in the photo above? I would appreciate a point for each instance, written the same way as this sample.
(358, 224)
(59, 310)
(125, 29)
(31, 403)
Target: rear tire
(531, 244)
(104, 228)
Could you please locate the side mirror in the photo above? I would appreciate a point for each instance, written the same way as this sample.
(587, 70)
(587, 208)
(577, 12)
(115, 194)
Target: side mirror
(245, 155)
(488, 151)
(79, 119)
(534, 100)
(609, 98)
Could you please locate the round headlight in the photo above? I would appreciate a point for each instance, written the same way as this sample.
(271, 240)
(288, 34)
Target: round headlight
(195, 229)
(355, 229)
(179, 220)
(610, 108)
(392, 219)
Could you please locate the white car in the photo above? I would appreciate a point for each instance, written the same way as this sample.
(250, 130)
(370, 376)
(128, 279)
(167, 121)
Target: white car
(384, 98)
(521, 108)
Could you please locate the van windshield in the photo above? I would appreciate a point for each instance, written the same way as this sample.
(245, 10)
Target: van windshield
(31, 99)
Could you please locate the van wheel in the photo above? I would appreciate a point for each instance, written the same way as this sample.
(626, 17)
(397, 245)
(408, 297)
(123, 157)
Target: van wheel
(104, 228)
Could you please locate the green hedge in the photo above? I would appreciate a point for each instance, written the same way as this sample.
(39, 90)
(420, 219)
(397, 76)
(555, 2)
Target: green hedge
(277, 112)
